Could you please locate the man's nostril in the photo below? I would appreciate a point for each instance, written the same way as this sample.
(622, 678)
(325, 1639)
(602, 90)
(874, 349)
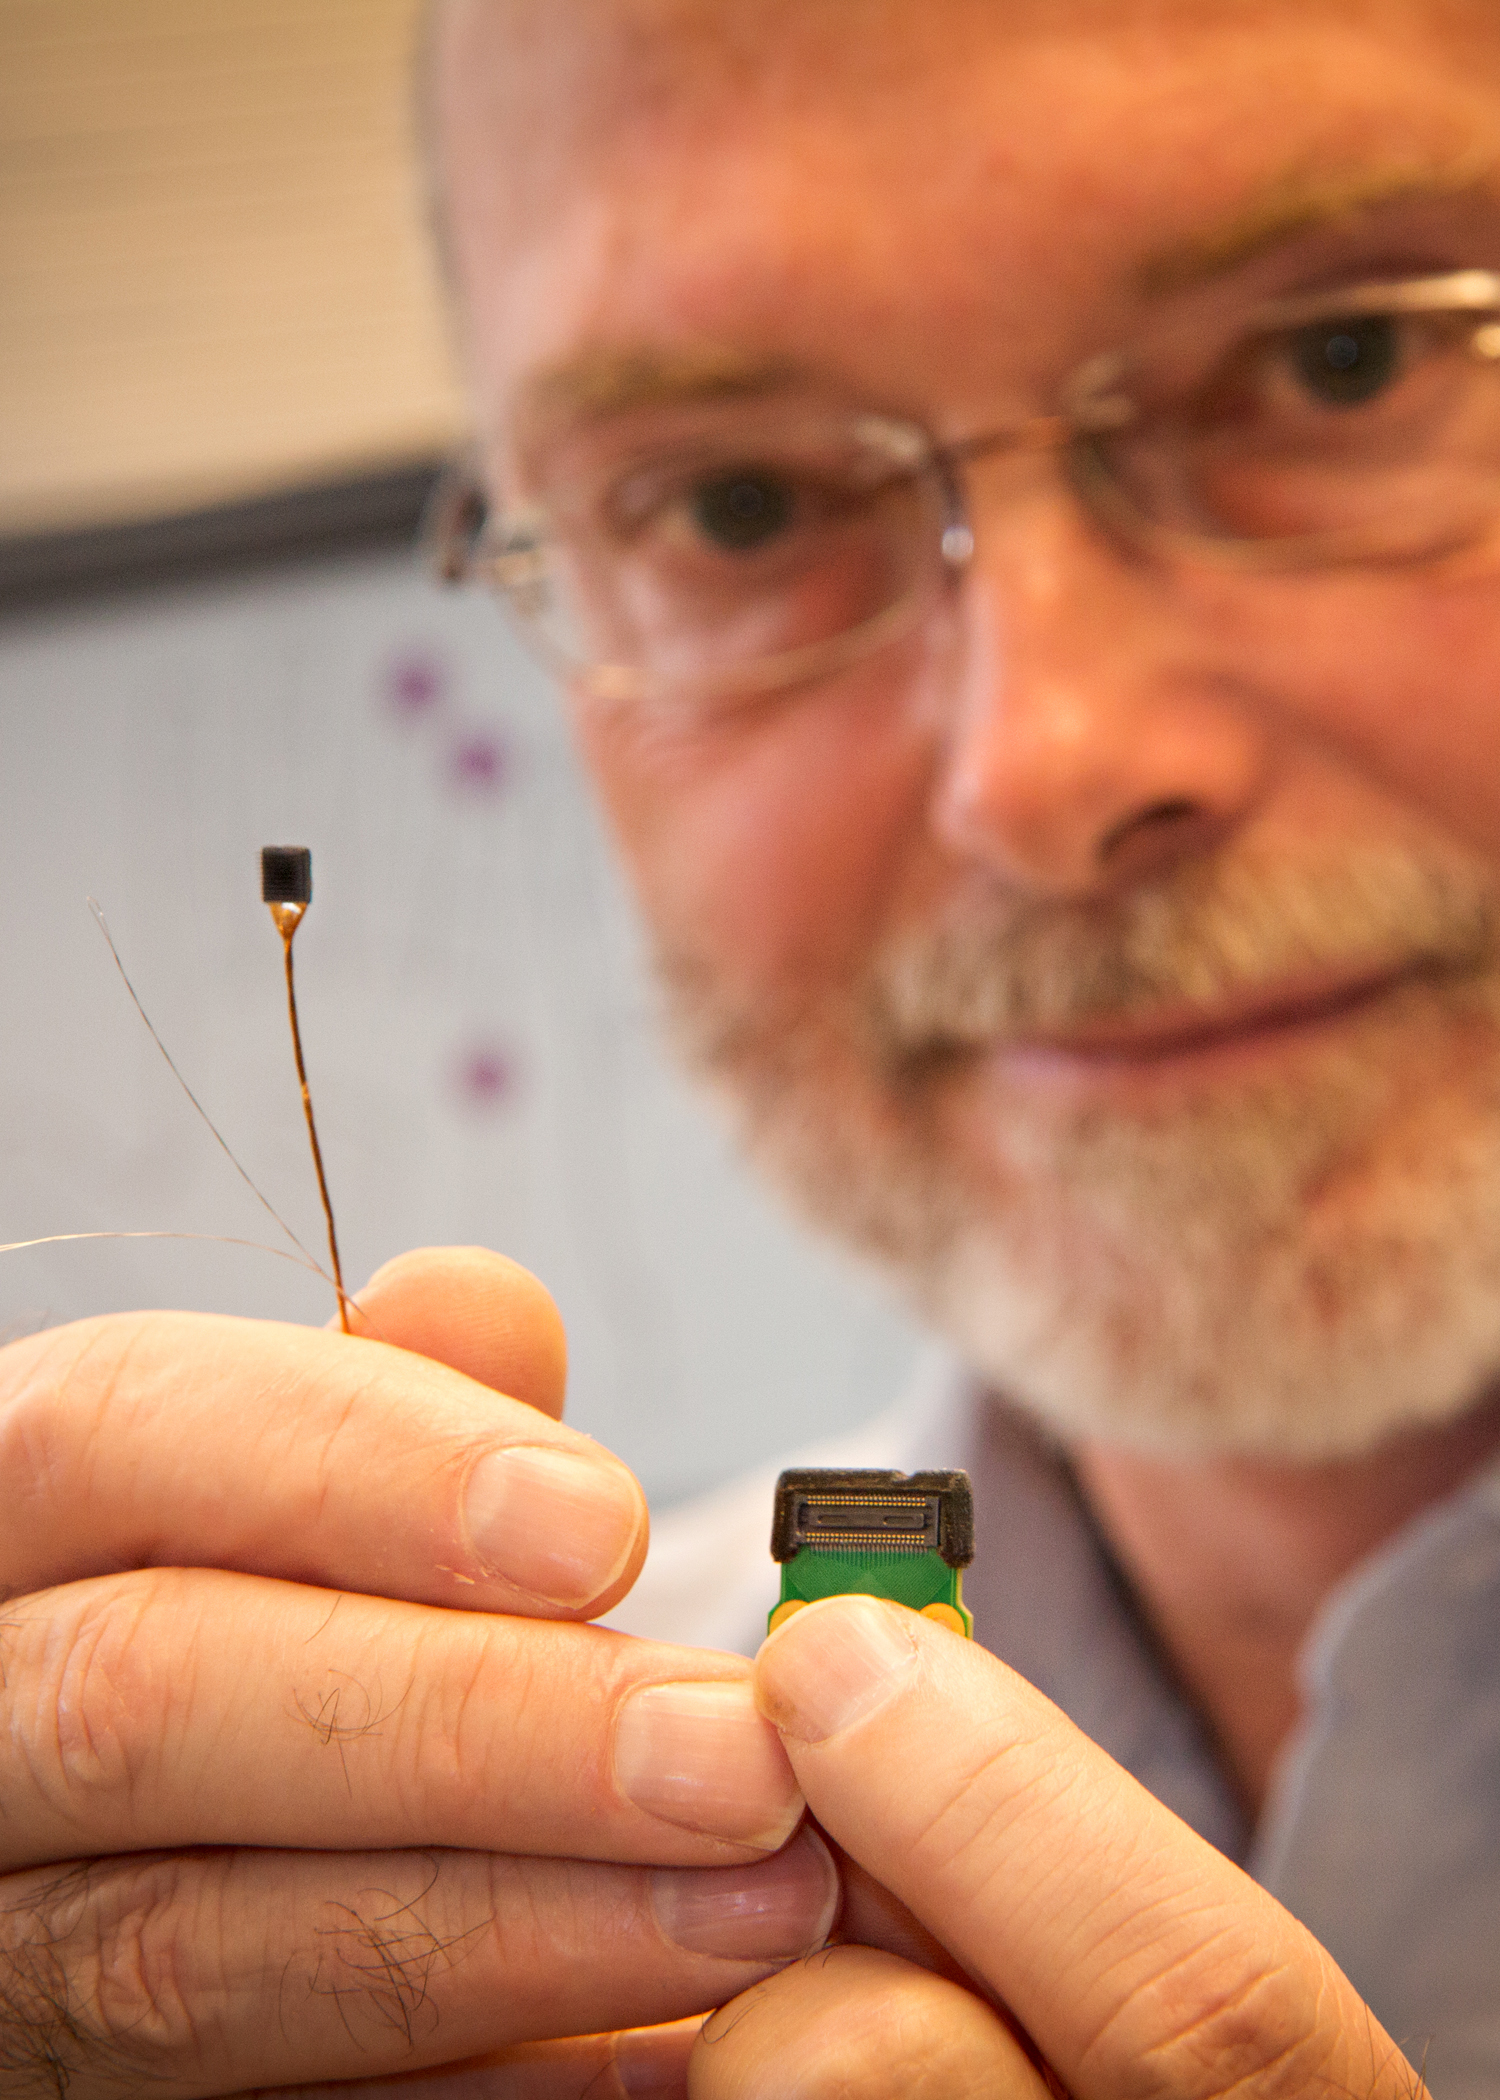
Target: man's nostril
(1146, 828)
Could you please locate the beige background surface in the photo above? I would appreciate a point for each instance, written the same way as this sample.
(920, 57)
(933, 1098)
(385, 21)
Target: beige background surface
(214, 279)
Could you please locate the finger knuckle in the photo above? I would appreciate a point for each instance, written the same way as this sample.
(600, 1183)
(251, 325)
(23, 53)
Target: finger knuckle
(143, 1967)
(104, 1975)
(449, 1745)
(102, 1700)
(549, 1917)
(1261, 2033)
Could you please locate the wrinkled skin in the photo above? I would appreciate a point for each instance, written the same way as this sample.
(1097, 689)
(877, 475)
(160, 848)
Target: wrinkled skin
(298, 1784)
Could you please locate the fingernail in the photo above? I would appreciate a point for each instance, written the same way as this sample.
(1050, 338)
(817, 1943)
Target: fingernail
(833, 1665)
(775, 1910)
(700, 1755)
(553, 1522)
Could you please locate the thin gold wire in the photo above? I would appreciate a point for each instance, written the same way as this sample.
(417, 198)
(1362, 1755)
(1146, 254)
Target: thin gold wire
(288, 917)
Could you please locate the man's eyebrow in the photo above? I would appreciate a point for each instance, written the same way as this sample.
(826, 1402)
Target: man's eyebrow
(608, 380)
(613, 381)
(1302, 202)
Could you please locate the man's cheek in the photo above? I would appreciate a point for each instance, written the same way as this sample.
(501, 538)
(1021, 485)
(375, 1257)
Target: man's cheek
(1395, 674)
(770, 841)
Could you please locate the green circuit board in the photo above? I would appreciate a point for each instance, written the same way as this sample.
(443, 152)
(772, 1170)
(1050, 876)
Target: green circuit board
(905, 1536)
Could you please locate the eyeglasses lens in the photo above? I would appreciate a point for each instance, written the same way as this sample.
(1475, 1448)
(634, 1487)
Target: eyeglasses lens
(1358, 437)
(735, 549)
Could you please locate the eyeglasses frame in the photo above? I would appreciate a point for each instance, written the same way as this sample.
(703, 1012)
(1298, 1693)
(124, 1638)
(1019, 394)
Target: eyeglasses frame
(465, 543)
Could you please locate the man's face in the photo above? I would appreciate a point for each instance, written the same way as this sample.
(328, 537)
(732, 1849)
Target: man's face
(1118, 960)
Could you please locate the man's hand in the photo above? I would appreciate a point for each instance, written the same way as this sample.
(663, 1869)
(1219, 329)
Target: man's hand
(1138, 1959)
(269, 1813)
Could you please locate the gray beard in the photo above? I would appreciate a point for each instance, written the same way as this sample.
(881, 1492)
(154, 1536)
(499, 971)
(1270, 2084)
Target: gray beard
(1273, 1269)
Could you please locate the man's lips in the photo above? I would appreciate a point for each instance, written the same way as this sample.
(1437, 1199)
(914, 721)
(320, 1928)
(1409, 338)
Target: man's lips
(1259, 1016)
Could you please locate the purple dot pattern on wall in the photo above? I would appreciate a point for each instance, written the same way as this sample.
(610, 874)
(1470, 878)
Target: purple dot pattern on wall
(480, 763)
(416, 683)
(488, 1078)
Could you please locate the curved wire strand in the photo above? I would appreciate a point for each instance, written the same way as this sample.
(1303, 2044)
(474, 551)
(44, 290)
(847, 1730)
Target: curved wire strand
(263, 1200)
(218, 1239)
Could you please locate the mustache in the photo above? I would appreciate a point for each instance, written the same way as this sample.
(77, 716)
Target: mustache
(993, 969)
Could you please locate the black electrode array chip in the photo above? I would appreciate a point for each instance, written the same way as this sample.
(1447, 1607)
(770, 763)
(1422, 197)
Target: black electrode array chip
(286, 874)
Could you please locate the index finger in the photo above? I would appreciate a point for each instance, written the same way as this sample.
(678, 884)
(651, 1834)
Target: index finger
(1133, 1952)
(184, 1439)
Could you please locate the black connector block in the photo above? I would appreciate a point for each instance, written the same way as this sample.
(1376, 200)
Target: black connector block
(286, 874)
(932, 1512)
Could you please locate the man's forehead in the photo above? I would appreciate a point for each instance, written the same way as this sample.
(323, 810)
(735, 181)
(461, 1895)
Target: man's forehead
(653, 46)
(552, 87)
(735, 114)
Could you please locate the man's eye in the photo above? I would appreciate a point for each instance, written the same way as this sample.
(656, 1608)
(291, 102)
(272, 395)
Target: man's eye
(742, 510)
(1344, 362)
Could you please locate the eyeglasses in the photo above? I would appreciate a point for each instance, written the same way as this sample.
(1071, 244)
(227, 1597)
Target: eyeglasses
(707, 549)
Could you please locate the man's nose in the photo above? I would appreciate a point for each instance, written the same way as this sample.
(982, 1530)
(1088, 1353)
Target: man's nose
(1090, 740)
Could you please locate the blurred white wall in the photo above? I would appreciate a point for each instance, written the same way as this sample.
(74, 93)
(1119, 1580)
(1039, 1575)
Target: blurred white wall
(476, 1022)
